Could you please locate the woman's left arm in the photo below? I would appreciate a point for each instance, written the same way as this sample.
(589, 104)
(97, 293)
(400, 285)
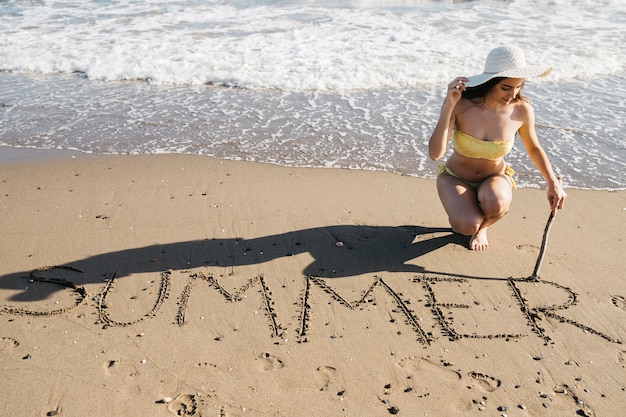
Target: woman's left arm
(556, 195)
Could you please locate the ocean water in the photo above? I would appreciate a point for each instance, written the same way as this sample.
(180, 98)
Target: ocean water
(351, 84)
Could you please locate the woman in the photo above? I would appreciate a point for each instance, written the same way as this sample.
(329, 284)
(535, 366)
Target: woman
(482, 114)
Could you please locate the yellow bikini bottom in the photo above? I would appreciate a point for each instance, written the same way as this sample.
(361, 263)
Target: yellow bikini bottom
(508, 171)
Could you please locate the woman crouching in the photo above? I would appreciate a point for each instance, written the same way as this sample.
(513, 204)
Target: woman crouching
(482, 115)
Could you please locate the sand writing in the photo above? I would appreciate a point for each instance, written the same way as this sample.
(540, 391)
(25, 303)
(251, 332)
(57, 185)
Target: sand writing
(80, 293)
(427, 300)
(402, 305)
(162, 295)
(276, 329)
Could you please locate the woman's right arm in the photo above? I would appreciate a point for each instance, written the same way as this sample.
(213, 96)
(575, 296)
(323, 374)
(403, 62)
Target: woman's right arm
(439, 139)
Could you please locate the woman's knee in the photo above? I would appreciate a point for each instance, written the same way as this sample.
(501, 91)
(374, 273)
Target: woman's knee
(495, 206)
(495, 201)
(465, 225)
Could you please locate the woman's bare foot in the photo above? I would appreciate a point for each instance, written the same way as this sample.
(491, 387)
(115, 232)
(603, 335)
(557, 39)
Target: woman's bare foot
(479, 241)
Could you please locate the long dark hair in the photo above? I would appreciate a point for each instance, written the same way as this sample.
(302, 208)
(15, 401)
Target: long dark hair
(479, 92)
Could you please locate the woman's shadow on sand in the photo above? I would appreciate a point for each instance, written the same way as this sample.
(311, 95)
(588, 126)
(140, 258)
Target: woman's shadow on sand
(338, 252)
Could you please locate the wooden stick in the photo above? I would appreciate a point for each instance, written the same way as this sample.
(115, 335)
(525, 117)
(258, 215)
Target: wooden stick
(544, 243)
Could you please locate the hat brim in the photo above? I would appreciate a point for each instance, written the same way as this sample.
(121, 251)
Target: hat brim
(526, 72)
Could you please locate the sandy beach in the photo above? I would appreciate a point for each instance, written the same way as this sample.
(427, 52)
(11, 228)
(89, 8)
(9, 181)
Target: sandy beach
(164, 285)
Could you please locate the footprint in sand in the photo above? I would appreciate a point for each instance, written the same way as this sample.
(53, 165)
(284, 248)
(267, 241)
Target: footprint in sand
(200, 405)
(485, 382)
(426, 375)
(8, 343)
(325, 376)
(619, 302)
(183, 405)
(527, 248)
(621, 357)
(119, 368)
(270, 362)
(427, 370)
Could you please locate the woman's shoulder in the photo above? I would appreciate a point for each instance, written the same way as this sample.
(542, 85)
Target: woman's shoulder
(463, 105)
(523, 108)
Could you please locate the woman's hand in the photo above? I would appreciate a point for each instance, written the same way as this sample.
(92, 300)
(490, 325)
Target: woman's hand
(455, 89)
(556, 196)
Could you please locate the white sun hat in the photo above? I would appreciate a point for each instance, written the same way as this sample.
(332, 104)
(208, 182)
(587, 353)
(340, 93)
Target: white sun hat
(508, 62)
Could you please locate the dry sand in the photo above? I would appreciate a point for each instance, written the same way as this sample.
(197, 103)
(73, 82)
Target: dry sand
(193, 286)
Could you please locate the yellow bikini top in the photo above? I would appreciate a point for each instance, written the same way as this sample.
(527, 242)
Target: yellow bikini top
(472, 147)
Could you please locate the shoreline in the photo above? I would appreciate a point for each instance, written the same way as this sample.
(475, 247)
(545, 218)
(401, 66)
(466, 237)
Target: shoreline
(216, 287)
(12, 155)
